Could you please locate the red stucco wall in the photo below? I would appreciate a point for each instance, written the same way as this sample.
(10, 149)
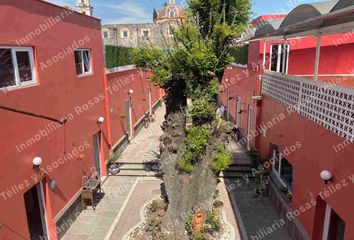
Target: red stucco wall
(119, 84)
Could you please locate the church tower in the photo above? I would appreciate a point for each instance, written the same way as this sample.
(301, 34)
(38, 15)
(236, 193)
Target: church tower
(84, 6)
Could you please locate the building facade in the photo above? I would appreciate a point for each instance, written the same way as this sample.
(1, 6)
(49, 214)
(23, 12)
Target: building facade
(159, 32)
(293, 102)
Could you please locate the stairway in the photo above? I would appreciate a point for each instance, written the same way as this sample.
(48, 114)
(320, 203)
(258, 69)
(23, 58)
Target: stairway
(238, 171)
(139, 169)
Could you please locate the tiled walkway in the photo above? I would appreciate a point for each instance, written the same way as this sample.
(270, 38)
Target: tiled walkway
(95, 224)
(145, 146)
(254, 215)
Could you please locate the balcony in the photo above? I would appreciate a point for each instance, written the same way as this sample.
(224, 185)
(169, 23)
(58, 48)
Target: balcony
(326, 104)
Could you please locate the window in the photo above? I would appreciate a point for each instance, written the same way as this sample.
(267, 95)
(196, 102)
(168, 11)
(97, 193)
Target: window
(16, 67)
(145, 34)
(171, 31)
(279, 58)
(125, 33)
(172, 13)
(83, 62)
(283, 170)
(105, 34)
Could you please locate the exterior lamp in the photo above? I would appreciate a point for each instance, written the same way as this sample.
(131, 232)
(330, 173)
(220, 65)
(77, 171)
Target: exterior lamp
(100, 120)
(326, 176)
(131, 91)
(37, 161)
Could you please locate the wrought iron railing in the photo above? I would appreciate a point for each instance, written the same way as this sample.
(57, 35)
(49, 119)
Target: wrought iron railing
(326, 104)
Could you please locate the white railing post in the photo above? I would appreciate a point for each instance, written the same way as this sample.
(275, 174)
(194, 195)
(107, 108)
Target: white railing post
(264, 55)
(317, 58)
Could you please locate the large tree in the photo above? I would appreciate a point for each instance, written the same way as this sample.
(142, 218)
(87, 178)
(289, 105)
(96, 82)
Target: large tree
(190, 67)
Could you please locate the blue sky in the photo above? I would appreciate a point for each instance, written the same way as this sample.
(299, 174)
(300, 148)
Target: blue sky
(140, 11)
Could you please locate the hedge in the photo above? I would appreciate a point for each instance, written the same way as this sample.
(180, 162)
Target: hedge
(118, 56)
(240, 54)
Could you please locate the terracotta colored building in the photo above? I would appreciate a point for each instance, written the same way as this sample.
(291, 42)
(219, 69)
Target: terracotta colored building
(293, 102)
(57, 106)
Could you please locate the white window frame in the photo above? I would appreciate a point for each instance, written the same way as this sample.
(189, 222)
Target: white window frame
(277, 172)
(122, 33)
(286, 56)
(83, 63)
(18, 83)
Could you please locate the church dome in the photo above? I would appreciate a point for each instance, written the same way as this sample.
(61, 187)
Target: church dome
(171, 11)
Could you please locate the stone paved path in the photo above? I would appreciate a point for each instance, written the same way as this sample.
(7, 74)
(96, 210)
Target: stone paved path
(132, 216)
(145, 145)
(95, 224)
(256, 214)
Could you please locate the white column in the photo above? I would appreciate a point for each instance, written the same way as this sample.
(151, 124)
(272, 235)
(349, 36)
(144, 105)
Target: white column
(317, 58)
(264, 55)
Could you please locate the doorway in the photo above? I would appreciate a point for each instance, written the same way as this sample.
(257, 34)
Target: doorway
(128, 114)
(250, 124)
(35, 211)
(97, 151)
(149, 101)
(328, 224)
(238, 111)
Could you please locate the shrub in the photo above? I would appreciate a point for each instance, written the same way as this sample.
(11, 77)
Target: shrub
(202, 111)
(221, 159)
(196, 141)
(218, 204)
(199, 236)
(155, 226)
(256, 158)
(185, 162)
(213, 219)
(188, 224)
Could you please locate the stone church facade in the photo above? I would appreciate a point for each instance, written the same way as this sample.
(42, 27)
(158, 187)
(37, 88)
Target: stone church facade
(160, 31)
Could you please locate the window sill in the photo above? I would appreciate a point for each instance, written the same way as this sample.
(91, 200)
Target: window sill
(85, 75)
(14, 88)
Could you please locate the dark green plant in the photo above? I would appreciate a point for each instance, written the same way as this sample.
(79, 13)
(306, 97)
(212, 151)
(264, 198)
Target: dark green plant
(218, 204)
(239, 54)
(155, 226)
(188, 224)
(213, 219)
(118, 56)
(256, 158)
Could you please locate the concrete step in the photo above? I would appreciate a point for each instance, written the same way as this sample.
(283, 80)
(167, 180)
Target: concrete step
(139, 166)
(239, 168)
(228, 174)
(139, 173)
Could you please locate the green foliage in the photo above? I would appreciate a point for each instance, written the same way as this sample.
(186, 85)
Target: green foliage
(188, 224)
(220, 21)
(197, 139)
(218, 204)
(202, 111)
(256, 157)
(221, 158)
(185, 163)
(199, 236)
(239, 54)
(118, 56)
(155, 226)
(213, 219)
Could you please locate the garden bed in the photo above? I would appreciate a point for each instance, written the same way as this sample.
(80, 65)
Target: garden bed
(158, 225)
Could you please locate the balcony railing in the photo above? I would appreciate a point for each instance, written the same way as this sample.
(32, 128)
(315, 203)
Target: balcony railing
(328, 105)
